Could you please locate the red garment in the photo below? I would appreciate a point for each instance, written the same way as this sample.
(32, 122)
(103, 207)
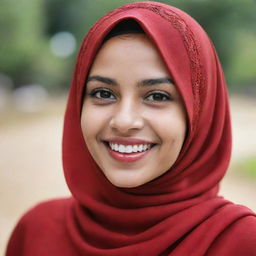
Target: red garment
(177, 214)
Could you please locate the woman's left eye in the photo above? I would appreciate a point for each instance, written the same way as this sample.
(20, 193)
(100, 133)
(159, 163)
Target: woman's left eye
(158, 96)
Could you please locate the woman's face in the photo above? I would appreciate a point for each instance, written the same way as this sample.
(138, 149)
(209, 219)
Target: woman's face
(133, 119)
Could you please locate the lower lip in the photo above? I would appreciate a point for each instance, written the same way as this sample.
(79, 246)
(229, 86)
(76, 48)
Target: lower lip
(128, 158)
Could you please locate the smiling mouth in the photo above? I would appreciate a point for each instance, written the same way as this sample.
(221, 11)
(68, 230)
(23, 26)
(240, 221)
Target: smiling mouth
(129, 149)
(128, 153)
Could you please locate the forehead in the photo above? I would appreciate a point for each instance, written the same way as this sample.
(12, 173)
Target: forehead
(127, 42)
(129, 52)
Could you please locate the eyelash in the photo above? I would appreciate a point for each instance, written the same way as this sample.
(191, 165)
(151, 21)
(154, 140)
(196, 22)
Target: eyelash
(161, 94)
(93, 94)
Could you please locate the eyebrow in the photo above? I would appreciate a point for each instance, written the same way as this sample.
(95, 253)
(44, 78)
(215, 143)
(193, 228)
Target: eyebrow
(145, 82)
(102, 79)
(155, 81)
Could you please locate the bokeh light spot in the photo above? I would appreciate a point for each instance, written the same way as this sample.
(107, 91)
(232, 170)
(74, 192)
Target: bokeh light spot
(63, 44)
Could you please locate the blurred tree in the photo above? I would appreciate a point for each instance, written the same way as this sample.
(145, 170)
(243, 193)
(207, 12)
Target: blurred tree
(21, 38)
(27, 27)
(24, 47)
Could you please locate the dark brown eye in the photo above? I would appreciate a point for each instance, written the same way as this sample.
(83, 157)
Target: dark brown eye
(158, 96)
(102, 94)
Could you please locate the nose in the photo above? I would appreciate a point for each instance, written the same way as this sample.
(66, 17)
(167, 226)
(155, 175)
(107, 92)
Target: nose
(126, 118)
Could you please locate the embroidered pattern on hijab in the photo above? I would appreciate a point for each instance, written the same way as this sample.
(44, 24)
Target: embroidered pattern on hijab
(180, 212)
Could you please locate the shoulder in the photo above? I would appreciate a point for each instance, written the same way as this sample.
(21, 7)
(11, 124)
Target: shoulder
(36, 224)
(51, 209)
(238, 239)
(48, 213)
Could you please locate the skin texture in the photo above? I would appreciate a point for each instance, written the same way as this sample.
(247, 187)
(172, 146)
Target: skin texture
(127, 105)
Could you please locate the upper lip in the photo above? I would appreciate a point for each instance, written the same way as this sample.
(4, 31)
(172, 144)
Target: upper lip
(128, 141)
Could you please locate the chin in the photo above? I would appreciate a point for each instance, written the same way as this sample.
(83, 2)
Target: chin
(125, 183)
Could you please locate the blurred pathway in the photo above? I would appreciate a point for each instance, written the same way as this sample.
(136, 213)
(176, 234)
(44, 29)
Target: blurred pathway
(31, 171)
(243, 114)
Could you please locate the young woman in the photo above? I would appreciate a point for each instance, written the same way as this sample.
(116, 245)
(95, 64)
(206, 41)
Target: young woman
(146, 141)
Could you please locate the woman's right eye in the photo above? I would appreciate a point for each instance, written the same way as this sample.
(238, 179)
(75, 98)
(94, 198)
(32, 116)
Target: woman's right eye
(102, 94)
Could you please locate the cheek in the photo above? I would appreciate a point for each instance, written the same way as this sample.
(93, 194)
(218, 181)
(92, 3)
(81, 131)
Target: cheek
(93, 121)
(170, 126)
(88, 122)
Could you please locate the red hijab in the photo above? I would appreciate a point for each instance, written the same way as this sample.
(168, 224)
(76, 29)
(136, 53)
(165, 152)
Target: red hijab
(178, 213)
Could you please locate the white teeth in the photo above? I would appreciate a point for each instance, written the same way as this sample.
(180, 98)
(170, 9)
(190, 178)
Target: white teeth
(121, 148)
(129, 148)
(135, 148)
(140, 148)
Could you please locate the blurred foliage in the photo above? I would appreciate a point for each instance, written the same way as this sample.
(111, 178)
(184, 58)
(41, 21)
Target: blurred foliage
(24, 47)
(21, 37)
(28, 25)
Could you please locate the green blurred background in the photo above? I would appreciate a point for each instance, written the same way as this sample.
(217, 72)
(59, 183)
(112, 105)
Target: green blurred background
(30, 28)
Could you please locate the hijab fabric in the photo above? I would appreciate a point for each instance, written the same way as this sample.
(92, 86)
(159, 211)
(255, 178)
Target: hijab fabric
(178, 213)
